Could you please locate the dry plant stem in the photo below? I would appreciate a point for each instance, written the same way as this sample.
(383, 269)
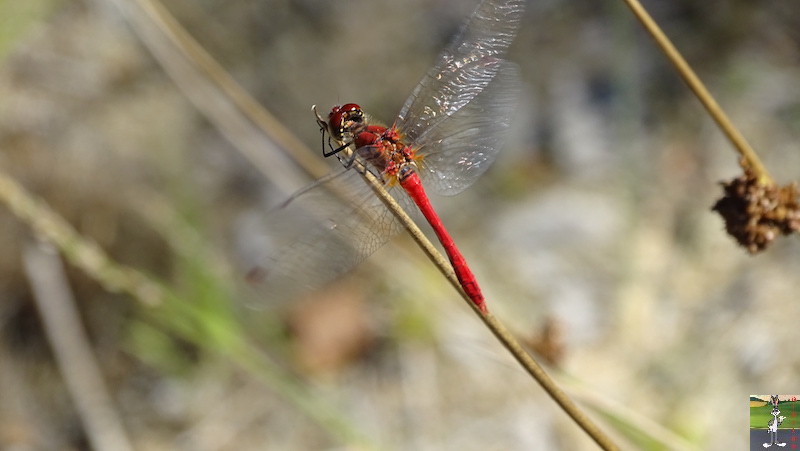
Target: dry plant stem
(72, 349)
(701, 92)
(80, 251)
(508, 341)
(644, 426)
(258, 135)
(552, 389)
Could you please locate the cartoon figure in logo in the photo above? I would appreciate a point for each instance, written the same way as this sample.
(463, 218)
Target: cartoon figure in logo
(773, 424)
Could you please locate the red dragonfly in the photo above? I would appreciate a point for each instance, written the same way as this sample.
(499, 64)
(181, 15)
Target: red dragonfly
(447, 134)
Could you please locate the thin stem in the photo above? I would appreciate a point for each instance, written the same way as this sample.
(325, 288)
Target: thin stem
(701, 92)
(503, 335)
(258, 135)
(72, 349)
(78, 250)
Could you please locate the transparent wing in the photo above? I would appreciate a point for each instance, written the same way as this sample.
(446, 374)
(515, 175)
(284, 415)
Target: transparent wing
(458, 150)
(322, 234)
(456, 78)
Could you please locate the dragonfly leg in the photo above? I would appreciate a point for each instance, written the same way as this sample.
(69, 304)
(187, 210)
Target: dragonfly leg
(349, 160)
(361, 167)
(336, 150)
(322, 130)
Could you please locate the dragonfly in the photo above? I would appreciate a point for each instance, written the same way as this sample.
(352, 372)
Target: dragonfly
(447, 134)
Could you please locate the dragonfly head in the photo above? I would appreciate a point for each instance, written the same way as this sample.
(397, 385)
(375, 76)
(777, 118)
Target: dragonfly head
(345, 121)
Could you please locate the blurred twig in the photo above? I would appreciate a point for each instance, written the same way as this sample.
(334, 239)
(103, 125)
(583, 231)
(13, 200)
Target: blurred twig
(260, 137)
(640, 425)
(701, 92)
(72, 349)
(80, 251)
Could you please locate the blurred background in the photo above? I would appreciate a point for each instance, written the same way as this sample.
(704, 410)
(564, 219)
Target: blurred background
(592, 234)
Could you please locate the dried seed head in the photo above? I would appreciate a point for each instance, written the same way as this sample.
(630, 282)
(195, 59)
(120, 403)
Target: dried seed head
(755, 213)
(549, 342)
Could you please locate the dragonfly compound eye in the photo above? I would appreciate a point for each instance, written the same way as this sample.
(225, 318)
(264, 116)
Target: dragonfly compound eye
(345, 120)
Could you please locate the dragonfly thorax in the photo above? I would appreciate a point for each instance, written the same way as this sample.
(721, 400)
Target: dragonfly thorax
(383, 149)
